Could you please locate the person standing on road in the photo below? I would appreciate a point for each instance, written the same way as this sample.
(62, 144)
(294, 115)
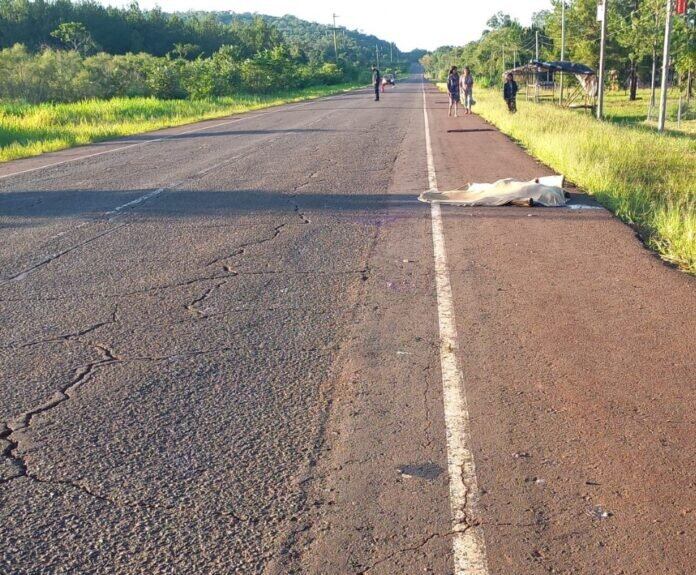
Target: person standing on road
(376, 81)
(510, 93)
(453, 90)
(467, 85)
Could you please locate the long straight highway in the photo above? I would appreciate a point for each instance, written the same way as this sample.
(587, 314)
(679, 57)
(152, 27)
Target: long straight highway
(244, 346)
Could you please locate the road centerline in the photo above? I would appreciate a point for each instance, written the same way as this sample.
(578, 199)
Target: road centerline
(468, 543)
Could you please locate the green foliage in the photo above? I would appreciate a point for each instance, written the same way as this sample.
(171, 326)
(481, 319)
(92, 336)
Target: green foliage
(36, 24)
(315, 42)
(31, 129)
(507, 43)
(164, 79)
(115, 30)
(75, 36)
(635, 32)
(46, 53)
(67, 76)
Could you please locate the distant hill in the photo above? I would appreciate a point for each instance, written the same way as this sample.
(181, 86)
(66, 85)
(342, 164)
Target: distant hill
(317, 40)
(121, 30)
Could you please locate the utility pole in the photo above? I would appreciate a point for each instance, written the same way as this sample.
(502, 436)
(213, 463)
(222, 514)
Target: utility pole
(537, 46)
(601, 14)
(665, 69)
(391, 52)
(377, 52)
(654, 66)
(334, 34)
(563, 8)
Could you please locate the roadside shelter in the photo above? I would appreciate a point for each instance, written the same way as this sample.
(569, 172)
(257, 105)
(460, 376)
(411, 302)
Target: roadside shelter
(541, 81)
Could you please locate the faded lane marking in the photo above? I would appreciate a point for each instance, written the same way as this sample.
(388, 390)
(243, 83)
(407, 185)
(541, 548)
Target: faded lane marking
(468, 539)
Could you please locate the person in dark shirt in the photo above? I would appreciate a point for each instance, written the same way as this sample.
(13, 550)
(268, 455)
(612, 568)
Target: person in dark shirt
(453, 90)
(510, 93)
(376, 81)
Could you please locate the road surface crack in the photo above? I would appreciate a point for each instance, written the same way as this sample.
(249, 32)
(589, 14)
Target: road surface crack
(242, 248)
(13, 428)
(57, 255)
(194, 306)
(68, 336)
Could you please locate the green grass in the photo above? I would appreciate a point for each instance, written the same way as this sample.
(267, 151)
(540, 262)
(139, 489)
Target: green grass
(29, 130)
(646, 178)
(619, 109)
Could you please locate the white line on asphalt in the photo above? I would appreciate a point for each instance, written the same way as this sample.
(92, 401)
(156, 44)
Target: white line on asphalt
(468, 540)
(139, 200)
(164, 138)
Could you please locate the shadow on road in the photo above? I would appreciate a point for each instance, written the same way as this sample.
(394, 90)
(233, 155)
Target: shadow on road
(464, 131)
(20, 208)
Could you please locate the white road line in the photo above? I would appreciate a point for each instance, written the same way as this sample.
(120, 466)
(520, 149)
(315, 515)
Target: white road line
(164, 138)
(468, 540)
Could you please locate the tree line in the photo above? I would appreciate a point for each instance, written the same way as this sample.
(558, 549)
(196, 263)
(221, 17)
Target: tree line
(132, 30)
(635, 31)
(61, 50)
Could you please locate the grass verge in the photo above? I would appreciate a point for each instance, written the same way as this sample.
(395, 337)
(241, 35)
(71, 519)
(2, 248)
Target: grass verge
(621, 110)
(647, 179)
(29, 130)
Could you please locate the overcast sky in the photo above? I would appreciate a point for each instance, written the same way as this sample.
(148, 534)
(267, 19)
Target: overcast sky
(410, 24)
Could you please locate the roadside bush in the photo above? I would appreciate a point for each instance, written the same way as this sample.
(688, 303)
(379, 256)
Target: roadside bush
(68, 76)
(165, 80)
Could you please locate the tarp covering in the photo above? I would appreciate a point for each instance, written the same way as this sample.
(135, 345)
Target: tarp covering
(546, 191)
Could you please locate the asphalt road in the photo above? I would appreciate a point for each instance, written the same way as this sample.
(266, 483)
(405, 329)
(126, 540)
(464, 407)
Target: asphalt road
(220, 353)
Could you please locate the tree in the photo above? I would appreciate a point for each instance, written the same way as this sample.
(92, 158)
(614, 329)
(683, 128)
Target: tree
(185, 51)
(499, 20)
(636, 26)
(75, 36)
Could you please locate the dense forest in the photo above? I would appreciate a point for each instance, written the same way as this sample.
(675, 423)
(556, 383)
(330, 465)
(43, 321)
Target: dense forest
(635, 31)
(119, 31)
(60, 50)
(317, 40)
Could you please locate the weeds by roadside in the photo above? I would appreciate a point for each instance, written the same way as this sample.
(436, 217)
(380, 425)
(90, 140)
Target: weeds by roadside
(646, 178)
(32, 129)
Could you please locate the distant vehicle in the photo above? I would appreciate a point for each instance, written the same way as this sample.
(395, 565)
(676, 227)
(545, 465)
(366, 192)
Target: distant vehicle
(390, 79)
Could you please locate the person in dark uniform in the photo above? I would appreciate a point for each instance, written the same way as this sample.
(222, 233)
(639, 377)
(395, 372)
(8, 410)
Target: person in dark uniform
(376, 81)
(510, 93)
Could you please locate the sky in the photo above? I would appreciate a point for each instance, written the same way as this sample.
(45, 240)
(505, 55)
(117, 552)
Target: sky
(409, 24)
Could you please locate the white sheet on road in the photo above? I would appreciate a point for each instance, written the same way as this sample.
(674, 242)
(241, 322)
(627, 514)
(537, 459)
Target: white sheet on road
(546, 191)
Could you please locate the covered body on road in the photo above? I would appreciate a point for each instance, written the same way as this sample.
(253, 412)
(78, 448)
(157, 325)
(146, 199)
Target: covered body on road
(547, 191)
